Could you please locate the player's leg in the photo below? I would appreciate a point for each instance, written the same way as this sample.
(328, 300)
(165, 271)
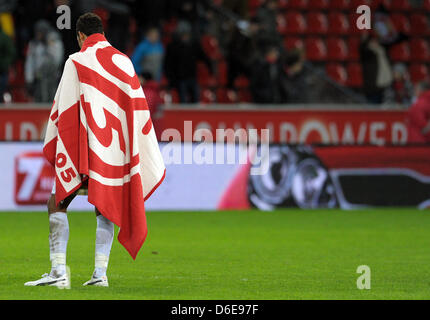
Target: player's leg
(58, 234)
(104, 238)
(58, 238)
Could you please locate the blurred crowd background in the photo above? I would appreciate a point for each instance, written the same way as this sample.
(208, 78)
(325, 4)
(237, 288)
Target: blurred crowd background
(230, 51)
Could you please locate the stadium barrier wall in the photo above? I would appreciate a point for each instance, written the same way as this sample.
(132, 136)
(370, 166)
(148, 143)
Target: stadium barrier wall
(205, 178)
(329, 124)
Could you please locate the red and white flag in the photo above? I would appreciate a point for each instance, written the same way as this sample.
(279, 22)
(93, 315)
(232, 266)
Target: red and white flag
(100, 130)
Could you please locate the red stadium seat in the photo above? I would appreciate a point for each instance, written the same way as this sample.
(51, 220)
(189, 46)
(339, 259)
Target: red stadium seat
(418, 72)
(207, 96)
(298, 4)
(244, 95)
(282, 4)
(281, 23)
(296, 23)
(337, 72)
(293, 43)
(315, 49)
(353, 48)
(338, 4)
(223, 96)
(420, 50)
(400, 52)
(355, 75)
(204, 78)
(419, 24)
(354, 4)
(318, 4)
(336, 49)
(353, 30)
(171, 96)
(338, 23)
(241, 82)
(317, 23)
(254, 4)
(211, 47)
(398, 5)
(222, 73)
(401, 22)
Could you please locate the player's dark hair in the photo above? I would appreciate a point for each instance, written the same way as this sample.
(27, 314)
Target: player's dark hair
(89, 23)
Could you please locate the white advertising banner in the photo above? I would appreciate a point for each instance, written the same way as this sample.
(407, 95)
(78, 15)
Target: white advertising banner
(196, 177)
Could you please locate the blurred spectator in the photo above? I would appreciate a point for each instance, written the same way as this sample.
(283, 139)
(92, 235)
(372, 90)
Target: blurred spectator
(298, 78)
(402, 86)
(268, 79)
(6, 19)
(118, 22)
(267, 16)
(418, 117)
(148, 55)
(374, 47)
(7, 54)
(238, 7)
(377, 73)
(242, 51)
(43, 62)
(182, 56)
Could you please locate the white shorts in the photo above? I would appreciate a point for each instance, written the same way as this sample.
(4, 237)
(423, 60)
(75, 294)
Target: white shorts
(81, 192)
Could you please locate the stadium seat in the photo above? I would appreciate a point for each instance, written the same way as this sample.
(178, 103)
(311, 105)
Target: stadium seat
(281, 23)
(353, 48)
(296, 23)
(418, 72)
(168, 97)
(353, 30)
(317, 23)
(19, 94)
(355, 75)
(223, 96)
(254, 4)
(207, 96)
(318, 4)
(222, 71)
(315, 49)
(298, 4)
(400, 52)
(282, 4)
(293, 43)
(420, 50)
(210, 47)
(338, 4)
(401, 22)
(419, 24)
(337, 72)
(241, 82)
(354, 4)
(336, 49)
(244, 95)
(204, 78)
(398, 5)
(337, 23)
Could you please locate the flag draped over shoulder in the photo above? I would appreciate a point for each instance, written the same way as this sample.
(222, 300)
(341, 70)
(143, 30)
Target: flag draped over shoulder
(100, 130)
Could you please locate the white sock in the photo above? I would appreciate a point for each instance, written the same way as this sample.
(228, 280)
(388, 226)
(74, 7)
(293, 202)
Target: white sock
(104, 237)
(58, 237)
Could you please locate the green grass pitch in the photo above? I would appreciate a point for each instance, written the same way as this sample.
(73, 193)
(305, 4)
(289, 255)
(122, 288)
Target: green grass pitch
(285, 254)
